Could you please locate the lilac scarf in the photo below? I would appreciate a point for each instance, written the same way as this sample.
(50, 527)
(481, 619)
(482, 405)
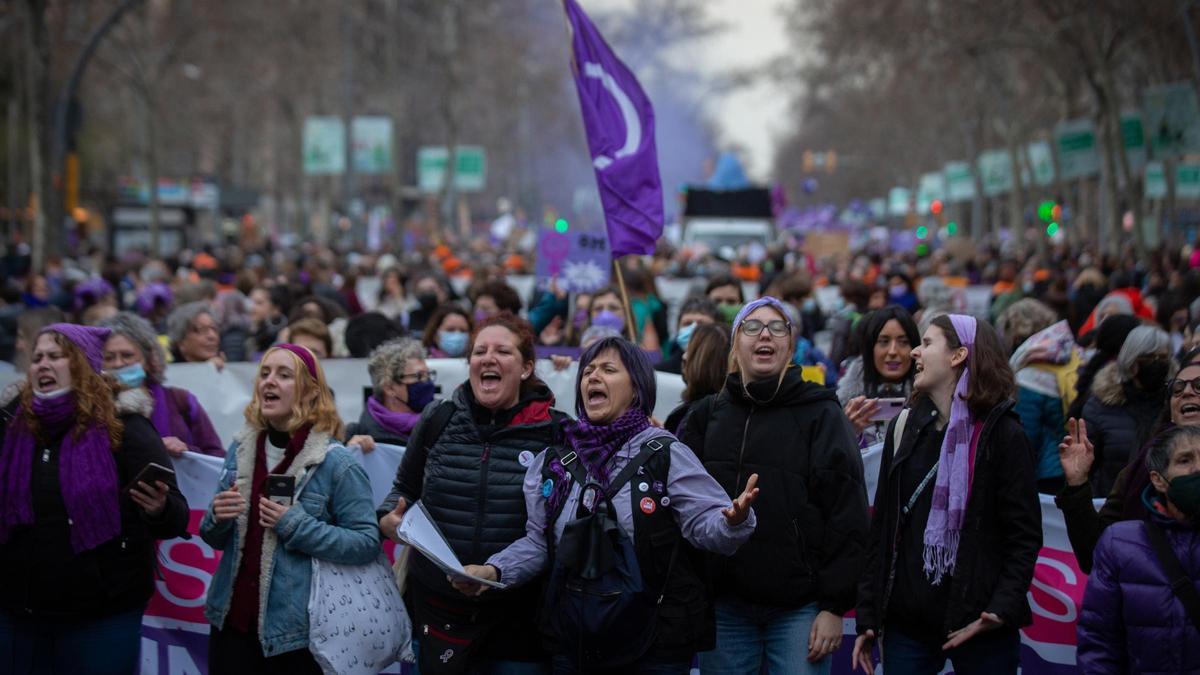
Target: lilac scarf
(595, 445)
(161, 415)
(399, 423)
(952, 487)
(87, 475)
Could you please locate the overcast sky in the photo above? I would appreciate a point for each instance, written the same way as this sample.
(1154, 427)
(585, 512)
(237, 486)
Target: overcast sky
(753, 117)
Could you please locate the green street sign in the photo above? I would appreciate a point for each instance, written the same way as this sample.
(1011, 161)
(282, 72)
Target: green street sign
(932, 187)
(960, 182)
(1156, 181)
(1172, 119)
(324, 146)
(1133, 136)
(470, 173)
(1187, 181)
(1075, 141)
(1042, 162)
(996, 171)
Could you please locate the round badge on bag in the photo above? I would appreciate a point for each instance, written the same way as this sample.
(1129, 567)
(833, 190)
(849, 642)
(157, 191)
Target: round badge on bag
(525, 458)
(648, 505)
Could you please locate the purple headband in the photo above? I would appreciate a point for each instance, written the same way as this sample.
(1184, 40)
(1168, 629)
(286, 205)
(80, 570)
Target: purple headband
(764, 301)
(89, 339)
(964, 327)
(310, 363)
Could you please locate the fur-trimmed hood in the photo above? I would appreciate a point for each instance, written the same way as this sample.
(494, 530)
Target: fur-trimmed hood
(129, 402)
(316, 446)
(1107, 386)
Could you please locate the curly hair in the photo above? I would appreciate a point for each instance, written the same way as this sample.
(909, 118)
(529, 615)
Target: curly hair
(139, 331)
(388, 361)
(313, 401)
(95, 396)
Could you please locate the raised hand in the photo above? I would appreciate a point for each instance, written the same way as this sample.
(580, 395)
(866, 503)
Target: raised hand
(859, 410)
(1076, 453)
(739, 510)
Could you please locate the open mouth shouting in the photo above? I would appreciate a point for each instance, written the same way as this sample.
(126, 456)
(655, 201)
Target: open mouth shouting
(490, 380)
(46, 382)
(596, 397)
(1189, 412)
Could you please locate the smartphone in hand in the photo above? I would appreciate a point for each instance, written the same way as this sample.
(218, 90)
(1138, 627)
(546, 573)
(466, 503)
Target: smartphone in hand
(281, 488)
(888, 408)
(150, 474)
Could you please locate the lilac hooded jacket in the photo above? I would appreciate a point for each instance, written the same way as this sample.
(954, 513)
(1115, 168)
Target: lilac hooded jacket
(1131, 621)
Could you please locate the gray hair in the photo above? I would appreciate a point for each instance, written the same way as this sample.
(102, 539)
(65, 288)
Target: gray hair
(1023, 319)
(139, 331)
(1142, 340)
(387, 361)
(1159, 455)
(596, 333)
(181, 318)
(1122, 303)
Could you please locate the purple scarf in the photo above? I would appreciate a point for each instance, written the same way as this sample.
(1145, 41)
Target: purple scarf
(161, 416)
(399, 423)
(87, 475)
(595, 445)
(952, 487)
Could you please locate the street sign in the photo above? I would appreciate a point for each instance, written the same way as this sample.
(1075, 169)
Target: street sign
(1187, 181)
(995, 168)
(1133, 136)
(470, 174)
(1076, 144)
(579, 260)
(1042, 162)
(372, 139)
(932, 187)
(324, 146)
(1156, 181)
(960, 182)
(1172, 119)
(898, 201)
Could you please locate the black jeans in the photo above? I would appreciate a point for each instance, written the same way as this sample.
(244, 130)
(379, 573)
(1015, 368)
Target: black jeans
(234, 652)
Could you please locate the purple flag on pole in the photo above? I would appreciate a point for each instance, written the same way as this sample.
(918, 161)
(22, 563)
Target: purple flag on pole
(619, 122)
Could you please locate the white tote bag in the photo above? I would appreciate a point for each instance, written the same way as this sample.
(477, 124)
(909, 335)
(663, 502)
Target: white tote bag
(357, 622)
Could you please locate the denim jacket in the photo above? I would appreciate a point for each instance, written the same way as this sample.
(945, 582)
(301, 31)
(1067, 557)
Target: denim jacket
(333, 488)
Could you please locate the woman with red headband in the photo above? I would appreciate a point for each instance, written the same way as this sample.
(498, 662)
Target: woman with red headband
(258, 600)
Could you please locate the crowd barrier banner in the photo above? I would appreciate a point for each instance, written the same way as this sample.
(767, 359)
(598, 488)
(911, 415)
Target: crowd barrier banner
(175, 633)
(225, 394)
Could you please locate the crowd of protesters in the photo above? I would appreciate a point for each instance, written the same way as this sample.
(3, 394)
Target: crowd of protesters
(737, 529)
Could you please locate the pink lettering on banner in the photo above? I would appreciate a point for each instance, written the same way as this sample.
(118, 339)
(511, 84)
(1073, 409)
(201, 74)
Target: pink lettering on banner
(1055, 596)
(186, 569)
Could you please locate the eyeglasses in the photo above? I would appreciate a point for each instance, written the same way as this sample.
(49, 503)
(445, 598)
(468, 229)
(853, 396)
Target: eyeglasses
(1178, 386)
(416, 378)
(777, 327)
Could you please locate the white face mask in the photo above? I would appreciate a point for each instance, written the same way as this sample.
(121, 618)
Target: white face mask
(52, 394)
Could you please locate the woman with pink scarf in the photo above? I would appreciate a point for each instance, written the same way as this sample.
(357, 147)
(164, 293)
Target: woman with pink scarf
(957, 523)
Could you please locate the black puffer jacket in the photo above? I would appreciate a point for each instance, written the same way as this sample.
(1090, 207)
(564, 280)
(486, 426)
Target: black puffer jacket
(1001, 535)
(43, 577)
(1120, 418)
(812, 508)
(471, 480)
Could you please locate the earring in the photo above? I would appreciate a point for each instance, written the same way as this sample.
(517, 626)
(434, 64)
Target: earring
(525, 376)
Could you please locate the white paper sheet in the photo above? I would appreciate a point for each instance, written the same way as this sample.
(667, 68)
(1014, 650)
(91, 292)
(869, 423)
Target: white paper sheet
(418, 530)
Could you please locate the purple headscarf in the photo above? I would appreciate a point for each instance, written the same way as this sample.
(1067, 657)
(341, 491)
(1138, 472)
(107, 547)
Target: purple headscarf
(952, 487)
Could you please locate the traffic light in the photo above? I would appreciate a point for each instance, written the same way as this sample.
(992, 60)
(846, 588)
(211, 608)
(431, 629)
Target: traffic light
(561, 226)
(952, 228)
(936, 207)
(922, 232)
(1052, 229)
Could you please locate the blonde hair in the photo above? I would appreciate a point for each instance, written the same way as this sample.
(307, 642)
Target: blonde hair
(313, 403)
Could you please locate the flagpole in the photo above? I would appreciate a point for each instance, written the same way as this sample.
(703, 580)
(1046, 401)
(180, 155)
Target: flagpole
(625, 300)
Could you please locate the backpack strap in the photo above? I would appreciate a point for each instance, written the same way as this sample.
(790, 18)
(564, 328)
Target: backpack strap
(433, 427)
(1181, 585)
(898, 430)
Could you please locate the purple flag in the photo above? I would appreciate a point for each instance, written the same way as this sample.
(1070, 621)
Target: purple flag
(619, 122)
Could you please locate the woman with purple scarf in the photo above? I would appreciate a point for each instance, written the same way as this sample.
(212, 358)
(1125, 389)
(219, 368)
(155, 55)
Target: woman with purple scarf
(616, 393)
(957, 523)
(135, 358)
(402, 385)
(77, 529)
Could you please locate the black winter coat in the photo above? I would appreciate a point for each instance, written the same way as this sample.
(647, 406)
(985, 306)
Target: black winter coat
(42, 575)
(812, 504)
(471, 480)
(1002, 530)
(1120, 420)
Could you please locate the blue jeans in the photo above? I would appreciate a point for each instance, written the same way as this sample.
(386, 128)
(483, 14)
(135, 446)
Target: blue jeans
(996, 652)
(750, 635)
(107, 646)
(487, 666)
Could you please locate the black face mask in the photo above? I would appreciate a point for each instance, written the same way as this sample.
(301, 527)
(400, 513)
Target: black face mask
(1152, 376)
(1184, 493)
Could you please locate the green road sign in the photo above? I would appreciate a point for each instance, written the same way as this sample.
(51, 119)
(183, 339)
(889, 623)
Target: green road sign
(470, 173)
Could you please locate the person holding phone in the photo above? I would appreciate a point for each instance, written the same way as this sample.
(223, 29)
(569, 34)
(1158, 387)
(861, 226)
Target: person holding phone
(258, 600)
(781, 597)
(77, 529)
(957, 524)
(877, 383)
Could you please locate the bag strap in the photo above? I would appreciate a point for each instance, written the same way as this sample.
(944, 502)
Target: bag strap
(434, 426)
(570, 461)
(917, 493)
(898, 430)
(1181, 585)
